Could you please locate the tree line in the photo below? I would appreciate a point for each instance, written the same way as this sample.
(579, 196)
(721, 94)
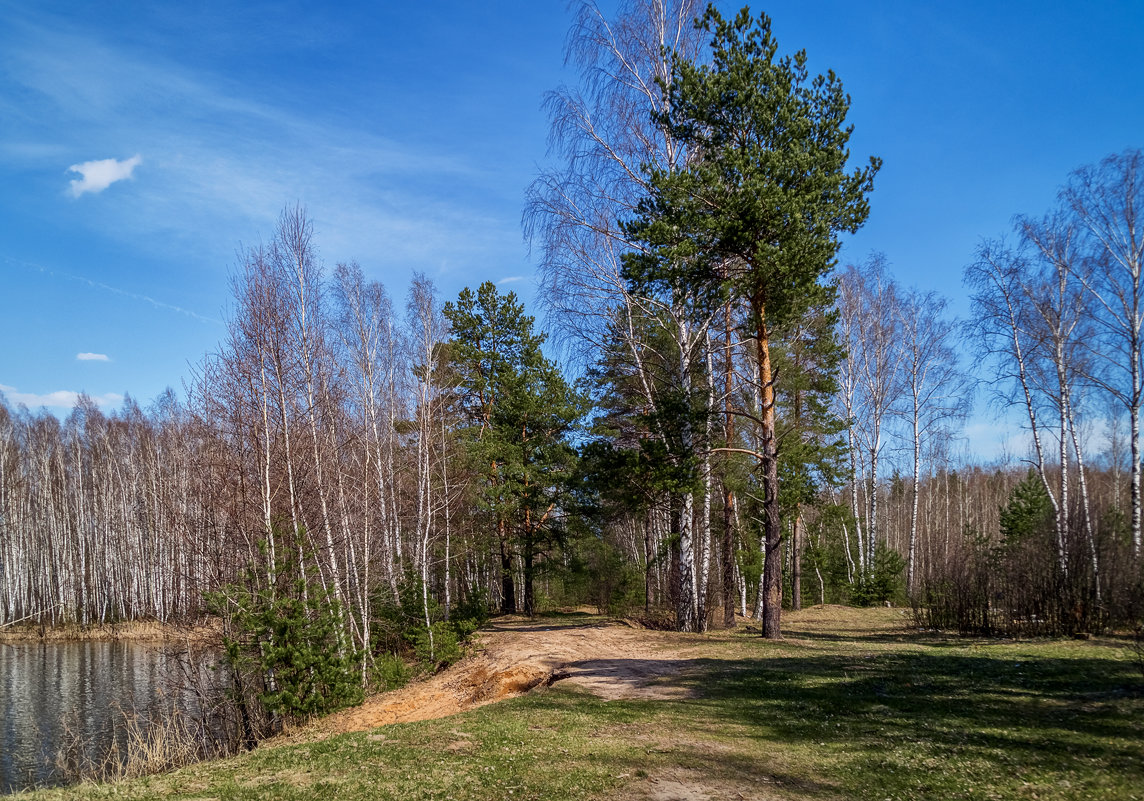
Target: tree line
(739, 425)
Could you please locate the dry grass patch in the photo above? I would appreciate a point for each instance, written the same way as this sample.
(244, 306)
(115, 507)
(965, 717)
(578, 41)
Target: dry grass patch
(207, 633)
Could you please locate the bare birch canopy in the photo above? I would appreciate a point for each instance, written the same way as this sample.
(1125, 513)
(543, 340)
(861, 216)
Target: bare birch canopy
(761, 418)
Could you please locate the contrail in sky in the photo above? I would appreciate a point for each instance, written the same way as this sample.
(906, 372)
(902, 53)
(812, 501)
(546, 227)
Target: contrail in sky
(158, 304)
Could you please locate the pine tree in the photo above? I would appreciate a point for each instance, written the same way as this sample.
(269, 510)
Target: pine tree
(1028, 513)
(520, 413)
(758, 212)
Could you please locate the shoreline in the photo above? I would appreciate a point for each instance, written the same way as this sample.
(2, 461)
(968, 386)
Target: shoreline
(201, 633)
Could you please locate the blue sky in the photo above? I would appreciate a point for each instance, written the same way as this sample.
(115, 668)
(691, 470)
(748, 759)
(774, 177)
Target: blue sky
(410, 133)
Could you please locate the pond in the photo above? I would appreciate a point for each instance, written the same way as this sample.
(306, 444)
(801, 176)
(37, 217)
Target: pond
(71, 700)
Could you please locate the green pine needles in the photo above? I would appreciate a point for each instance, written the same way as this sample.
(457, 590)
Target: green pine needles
(294, 642)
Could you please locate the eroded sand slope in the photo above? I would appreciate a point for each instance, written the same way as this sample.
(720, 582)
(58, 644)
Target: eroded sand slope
(611, 660)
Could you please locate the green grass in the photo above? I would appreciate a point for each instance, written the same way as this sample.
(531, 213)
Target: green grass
(852, 705)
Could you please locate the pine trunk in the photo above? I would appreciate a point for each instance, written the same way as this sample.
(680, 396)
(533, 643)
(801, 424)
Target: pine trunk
(772, 587)
(508, 585)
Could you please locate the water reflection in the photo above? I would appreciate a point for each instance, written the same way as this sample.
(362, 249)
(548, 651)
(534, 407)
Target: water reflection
(61, 697)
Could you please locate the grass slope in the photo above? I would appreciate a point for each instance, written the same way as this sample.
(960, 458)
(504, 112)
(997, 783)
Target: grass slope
(852, 705)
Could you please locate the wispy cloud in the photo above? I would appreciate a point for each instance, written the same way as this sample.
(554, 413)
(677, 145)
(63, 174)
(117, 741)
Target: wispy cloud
(225, 160)
(511, 279)
(92, 357)
(60, 399)
(98, 175)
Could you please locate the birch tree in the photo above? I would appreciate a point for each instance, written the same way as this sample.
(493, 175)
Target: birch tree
(1108, 201)
(606, 133)
(937, 392)
(1027, 316)
(428, 330)
(875, 359)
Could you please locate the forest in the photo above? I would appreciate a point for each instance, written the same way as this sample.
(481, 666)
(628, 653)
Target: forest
(716, 421)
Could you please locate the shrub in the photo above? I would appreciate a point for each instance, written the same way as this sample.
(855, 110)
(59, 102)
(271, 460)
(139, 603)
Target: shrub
(437, 646)
(400, 630)
(390, 672)
(598, 574)
(1016, 583)
(881, 583)
(474, 606)
(297, 642)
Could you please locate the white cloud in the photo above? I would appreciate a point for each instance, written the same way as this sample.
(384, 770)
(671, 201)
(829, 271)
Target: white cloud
(92, 357)
(1003, 438)
(60, 399)
(98, 175)
(512, 279)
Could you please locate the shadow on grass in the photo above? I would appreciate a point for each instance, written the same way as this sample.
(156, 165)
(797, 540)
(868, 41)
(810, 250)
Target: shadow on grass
(665, 749)
(1043, 715)
(910, 634)
(883, 637)
(792, 724)
(920, 723)
(549, 621)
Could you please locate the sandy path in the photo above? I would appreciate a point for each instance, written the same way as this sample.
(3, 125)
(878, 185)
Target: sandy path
(514, 655)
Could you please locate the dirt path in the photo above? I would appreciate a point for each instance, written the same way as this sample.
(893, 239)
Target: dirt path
(514, 655)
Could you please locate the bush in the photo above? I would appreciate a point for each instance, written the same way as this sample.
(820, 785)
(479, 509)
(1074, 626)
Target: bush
(598, 574)
(827, 570)
(400, 630)
(1016, 584)
(882, 583)
(474, 606)
(390, 672)
(437, 646)
(465, 627)
(295, 641)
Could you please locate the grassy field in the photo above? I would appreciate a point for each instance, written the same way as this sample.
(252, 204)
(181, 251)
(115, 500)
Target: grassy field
(852, 705)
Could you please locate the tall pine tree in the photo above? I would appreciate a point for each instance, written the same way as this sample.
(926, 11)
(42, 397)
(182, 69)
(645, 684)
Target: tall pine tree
(520, 414)
(758, 212)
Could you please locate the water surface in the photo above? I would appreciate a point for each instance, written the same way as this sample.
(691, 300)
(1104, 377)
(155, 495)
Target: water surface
(60, 697)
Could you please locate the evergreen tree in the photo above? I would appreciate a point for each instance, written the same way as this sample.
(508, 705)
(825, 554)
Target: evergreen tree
(653, 422)
(758, 212)
(520, 413)
(810, 449)
(1028, 514)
